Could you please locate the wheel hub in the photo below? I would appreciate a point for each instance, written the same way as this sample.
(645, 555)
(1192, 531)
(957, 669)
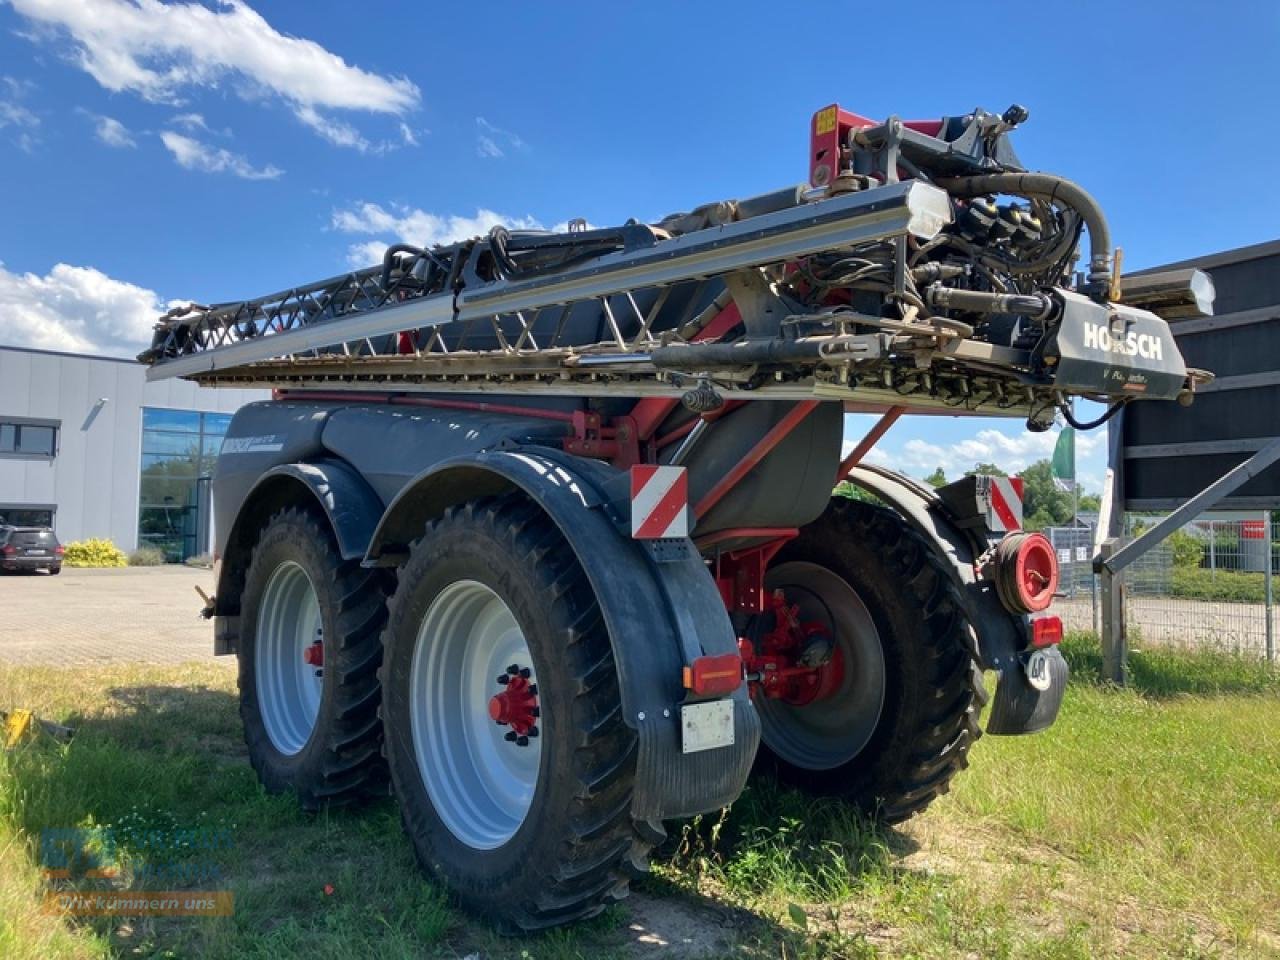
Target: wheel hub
(517, 705)
(797, 661)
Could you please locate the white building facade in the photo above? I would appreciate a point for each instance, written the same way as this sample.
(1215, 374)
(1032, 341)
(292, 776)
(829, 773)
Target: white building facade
(88, 444)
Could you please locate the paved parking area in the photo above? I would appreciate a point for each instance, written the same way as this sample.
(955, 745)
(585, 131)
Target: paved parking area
(134, 614)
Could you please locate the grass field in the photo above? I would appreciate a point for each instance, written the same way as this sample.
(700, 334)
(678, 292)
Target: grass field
(1145, 823)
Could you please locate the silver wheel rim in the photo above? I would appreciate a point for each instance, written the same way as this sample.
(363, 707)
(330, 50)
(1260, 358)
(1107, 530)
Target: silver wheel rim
(832, 731)
(480, 784)
(289, 689)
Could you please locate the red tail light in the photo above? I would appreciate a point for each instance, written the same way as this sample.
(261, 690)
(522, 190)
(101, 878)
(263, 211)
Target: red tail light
(59, 550)
(1045, 632)
(8, 551)
(714, 675)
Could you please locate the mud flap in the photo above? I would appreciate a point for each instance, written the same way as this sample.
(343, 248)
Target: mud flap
(1029, 696)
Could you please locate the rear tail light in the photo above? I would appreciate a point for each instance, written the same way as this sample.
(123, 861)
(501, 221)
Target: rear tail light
(1026, 572)
(714, 675)
(8, 550)
(59, 550)
(1045, 632)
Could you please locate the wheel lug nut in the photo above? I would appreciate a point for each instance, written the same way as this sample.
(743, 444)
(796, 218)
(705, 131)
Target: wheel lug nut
(533, 731)
(536, 711)
(533, 689)
(504, 679)
(526, 672)
(513, 669)
(511, 736)
(522, 741)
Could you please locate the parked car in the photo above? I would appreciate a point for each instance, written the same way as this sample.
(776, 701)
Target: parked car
(29, 548)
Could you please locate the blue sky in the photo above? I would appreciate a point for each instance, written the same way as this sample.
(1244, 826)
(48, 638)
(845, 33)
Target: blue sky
(153, 152)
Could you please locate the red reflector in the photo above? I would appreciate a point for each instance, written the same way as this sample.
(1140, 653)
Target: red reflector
(1046, 631)
(712, 675)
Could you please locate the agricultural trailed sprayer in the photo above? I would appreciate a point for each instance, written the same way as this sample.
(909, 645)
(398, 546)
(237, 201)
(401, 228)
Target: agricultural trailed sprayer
(539, 526)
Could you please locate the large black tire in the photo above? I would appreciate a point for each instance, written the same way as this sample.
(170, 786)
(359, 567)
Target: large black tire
(341, 761)
(572, 853)
(932, 689)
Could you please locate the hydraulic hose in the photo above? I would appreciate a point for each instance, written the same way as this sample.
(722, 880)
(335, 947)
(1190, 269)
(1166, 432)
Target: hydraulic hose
(1049, 187)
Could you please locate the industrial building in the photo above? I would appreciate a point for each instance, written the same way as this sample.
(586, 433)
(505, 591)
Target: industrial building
(90, 447)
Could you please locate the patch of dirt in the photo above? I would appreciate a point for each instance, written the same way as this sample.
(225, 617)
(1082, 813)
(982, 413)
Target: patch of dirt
(672, 926)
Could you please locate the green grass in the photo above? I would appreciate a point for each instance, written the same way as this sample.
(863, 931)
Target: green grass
(1145, 823)
(1228, 586)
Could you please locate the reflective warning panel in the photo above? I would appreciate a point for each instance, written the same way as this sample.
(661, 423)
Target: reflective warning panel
(659, 502)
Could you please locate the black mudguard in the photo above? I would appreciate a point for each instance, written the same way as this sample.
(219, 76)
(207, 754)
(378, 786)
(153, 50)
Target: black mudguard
(349, 503)
(1002, 637)
(659, 602)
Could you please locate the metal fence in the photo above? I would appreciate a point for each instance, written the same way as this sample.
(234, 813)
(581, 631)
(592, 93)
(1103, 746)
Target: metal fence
(1211, 584)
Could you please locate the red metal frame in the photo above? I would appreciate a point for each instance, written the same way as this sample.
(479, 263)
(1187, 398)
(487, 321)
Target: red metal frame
(739, 574)
(827, 133)
(870, 440)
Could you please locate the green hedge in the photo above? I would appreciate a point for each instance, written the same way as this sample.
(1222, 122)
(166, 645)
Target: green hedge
(94, 553)
(1227, 585)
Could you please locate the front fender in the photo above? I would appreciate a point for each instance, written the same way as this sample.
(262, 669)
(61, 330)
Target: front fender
(659, 602)
(349, 503)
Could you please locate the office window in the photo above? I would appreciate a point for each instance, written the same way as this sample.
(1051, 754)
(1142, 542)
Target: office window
(22, 438)
(179, 448)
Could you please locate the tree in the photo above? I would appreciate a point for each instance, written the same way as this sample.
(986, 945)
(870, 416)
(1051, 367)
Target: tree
(1043, 504)
(936, 479)
(986, 470)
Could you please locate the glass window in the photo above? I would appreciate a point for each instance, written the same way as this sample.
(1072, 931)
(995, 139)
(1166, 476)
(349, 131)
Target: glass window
(216, 423)
(156, 442)
(179, 447)
(26, 516)
(20, 438)
(38, 440)
(183, 421)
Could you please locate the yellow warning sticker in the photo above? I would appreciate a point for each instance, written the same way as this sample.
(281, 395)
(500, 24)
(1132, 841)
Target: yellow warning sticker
(824, 121)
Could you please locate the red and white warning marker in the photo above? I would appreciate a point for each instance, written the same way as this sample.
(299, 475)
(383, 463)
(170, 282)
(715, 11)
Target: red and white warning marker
(659, 502)
(1004, 504)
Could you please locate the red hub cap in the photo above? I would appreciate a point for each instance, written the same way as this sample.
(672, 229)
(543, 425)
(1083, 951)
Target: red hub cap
(516, 706)
(314, 655)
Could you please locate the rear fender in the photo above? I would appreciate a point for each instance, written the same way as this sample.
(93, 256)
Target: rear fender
(658, 599)
(1001, 638)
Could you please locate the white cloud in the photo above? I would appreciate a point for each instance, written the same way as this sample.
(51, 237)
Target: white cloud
(160, 50)
(196, 155)
(78, 309)
(191, 122)
(1008, 447)
(492, 142)
(411, 225)
(112, 132)
(15, 116)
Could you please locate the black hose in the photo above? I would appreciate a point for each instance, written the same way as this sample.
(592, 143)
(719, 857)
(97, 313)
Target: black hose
(1110, 412)
(1058, 190)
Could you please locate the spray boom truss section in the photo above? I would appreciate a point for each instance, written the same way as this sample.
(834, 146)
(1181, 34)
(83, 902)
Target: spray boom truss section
(925, 293)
